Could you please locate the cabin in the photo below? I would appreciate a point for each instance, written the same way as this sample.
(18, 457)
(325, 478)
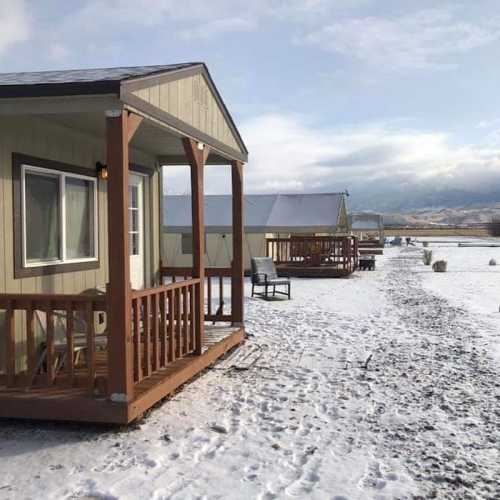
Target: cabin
(90, 327)
(272, 221)
(368, 227)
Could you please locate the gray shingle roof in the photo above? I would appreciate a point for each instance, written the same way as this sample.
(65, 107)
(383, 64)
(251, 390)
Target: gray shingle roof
(263, 213)
(87, 75)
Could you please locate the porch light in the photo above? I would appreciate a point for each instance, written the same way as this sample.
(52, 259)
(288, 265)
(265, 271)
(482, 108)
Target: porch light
(102, 170)
(201, 146)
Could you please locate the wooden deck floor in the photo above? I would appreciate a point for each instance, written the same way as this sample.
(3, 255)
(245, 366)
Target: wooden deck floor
(61, 402)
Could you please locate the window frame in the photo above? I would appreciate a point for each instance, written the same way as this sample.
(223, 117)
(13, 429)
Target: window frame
(62, 176)
(22, 164)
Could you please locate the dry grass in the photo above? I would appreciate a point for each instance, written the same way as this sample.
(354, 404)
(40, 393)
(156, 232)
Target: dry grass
(464, 231)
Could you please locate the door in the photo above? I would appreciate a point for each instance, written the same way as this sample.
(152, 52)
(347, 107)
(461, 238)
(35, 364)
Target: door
(136, 230)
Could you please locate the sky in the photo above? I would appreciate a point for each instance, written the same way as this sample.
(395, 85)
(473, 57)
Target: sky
(396, 101)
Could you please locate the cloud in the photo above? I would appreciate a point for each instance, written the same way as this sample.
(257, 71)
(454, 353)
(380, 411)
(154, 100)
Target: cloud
(15, 23)
(425, 39)
(102, 27)
(217, 27)
(372, 161)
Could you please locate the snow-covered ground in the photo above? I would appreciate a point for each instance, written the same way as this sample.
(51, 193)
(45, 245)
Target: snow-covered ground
(307, 419)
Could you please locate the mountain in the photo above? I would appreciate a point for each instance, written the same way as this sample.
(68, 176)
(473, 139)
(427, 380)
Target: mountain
(410, 199)
(444, 216)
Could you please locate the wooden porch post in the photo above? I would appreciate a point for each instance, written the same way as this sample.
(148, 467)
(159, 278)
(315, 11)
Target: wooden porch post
(120, 127)
(237, 282)
(196, 158)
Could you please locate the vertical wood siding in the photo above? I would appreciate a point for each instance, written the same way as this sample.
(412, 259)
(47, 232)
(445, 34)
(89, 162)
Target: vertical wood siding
(44, 139)
(191, 100)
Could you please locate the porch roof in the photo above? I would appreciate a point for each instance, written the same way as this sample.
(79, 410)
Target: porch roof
(181, 97)
(77, 81)
(271, 213)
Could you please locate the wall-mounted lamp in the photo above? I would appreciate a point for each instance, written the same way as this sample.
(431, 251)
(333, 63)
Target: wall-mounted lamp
(201, 146)
(102, 170)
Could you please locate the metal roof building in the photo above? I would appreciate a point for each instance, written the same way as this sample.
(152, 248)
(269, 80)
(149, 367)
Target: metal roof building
(264, 213)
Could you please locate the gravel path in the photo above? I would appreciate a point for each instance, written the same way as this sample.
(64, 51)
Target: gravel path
(362, 388)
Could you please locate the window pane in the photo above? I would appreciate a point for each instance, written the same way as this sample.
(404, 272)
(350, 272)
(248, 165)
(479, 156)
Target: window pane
(133, 192)
(134, 219)
(42, 217)
(134, 243)
(79, 198)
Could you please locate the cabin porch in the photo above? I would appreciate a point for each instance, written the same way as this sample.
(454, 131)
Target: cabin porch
(167, 349)
(125, 336)
(71, 401)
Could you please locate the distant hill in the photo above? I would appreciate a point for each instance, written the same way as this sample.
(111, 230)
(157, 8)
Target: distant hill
(443, 216)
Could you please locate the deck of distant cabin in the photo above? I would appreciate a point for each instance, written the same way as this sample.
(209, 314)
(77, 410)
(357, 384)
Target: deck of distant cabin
(314, 256)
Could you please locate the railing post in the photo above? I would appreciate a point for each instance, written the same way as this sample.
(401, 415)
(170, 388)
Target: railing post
(120, 127)
(238, 265)
(196, 154)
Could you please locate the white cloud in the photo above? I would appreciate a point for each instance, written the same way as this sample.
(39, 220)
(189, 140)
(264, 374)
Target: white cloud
(106, 22)
(217, 27)
(15, 23)
(421, 40)
(287, 155)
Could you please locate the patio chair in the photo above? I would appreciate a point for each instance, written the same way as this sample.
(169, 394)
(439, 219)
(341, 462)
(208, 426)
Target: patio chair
(264, 275)
(61, 352)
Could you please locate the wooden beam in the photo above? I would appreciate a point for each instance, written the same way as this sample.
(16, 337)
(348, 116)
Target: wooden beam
(120, 376)
(196, 158)
(238, 265)
(212, 159)
(134, 121)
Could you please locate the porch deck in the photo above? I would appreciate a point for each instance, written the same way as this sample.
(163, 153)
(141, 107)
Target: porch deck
(314, 256)
(60, 401)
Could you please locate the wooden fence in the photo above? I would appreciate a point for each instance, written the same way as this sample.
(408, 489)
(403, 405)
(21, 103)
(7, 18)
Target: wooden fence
(217, 284)
(163, 325)
(48, 323)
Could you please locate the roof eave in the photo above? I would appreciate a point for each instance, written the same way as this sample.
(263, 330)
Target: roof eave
(60, 89)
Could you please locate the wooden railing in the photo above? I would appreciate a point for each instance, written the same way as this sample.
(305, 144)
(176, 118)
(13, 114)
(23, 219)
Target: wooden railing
(57, 330)
(163, 326)
(217, 283)
(340, 252)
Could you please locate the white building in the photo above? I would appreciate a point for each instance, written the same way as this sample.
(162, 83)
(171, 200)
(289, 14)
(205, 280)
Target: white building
(265, 216)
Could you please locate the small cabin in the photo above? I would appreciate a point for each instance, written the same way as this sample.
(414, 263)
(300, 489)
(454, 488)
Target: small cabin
(367, 226)
(275, 225)
(91, 329)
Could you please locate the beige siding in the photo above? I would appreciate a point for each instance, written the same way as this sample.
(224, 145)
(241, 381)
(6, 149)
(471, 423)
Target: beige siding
(191, 100)
(219, 249)
(37, 137)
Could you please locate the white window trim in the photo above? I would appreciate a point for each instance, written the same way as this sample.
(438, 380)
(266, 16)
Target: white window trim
(62, 175)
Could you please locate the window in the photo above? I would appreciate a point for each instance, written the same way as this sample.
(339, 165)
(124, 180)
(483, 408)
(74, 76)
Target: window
(187, 243)
(59, 217)
(134, 221)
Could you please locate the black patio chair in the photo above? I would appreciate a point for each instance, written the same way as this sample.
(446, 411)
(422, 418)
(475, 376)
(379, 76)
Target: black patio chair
(264, 275)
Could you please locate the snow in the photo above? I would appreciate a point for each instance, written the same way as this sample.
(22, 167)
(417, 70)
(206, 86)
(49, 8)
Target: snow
(306, 419)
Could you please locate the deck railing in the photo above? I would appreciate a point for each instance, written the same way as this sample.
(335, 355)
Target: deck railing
(163, 326)
(340, 252)
(44, 337)
(217, 289)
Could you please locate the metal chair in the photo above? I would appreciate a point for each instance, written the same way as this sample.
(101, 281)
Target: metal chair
(264, 275)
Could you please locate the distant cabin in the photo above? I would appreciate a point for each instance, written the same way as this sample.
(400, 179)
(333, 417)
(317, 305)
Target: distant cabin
(265, 215)
(367, 225)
